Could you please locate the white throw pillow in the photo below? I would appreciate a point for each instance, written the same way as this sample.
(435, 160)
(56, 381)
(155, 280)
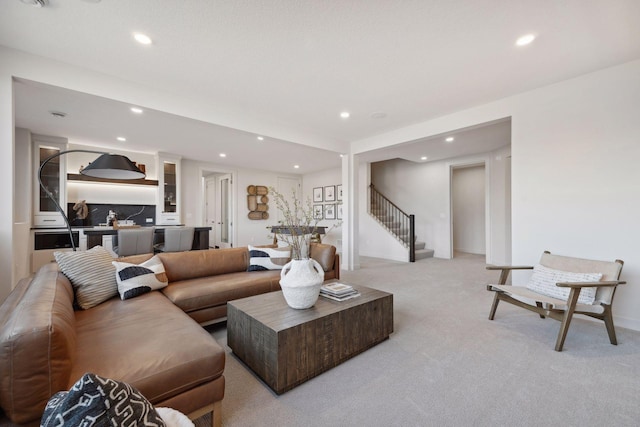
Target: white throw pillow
(90, 273)
(138, 279)
(261, 259)
(544, 279)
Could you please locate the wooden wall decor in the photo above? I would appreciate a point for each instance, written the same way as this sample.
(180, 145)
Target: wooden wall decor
(258, 202)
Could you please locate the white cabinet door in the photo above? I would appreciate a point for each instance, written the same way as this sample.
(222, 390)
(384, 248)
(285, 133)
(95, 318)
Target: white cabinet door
(54, 179)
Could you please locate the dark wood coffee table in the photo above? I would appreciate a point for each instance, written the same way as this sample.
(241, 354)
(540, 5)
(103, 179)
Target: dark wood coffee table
(286, 347)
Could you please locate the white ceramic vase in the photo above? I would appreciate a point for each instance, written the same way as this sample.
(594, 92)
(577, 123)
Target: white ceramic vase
(300, 280)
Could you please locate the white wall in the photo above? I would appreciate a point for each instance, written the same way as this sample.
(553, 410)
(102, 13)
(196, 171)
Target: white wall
(576, 177)
(422, 189)
(23, 201)
(468, 209)
(245, 230)
(574, 170)
(373, 239)
(322, 179)
(10, 234)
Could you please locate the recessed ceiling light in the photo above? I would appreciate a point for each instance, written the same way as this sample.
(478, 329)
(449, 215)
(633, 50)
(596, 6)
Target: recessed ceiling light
(222, 155)
(449, 139)
(296, 166)
(341, 155)
(136, 110)
(423, 158)
(345, 115)
(121, 138)
(142, 38)
(261, 138)
(525, 40)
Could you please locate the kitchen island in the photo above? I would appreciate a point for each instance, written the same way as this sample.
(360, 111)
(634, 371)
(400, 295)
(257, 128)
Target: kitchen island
(200, 235)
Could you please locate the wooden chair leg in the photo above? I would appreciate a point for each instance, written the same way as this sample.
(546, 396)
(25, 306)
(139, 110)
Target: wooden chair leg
(608, 322)
(539, 305)
(494, 306)
(566, 319)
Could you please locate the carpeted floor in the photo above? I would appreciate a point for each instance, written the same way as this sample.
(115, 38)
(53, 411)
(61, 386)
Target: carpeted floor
(447, 365)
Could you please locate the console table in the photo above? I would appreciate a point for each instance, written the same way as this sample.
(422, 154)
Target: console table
(200, 236)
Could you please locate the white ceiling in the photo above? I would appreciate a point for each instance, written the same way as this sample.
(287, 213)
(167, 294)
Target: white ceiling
(298, 64)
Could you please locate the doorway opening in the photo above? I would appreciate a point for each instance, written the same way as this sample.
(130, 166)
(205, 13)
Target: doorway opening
(468, 210)
(218, 212)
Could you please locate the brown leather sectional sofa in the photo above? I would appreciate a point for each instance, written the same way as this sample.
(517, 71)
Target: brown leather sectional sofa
(147, 341)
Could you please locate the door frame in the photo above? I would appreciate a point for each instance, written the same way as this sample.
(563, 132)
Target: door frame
(201, 208)
(479, 161)
(218, 209)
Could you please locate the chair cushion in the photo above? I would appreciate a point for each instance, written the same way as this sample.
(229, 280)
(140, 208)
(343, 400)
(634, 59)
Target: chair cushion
(94, 400)
(91, 274)
(138, 279)
(268, 258)
(544, 279)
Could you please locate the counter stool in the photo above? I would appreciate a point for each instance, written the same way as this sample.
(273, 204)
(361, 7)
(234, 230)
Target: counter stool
(134, 241)
(176, 240)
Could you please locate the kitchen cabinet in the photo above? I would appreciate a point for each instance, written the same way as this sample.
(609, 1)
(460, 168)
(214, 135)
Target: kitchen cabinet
(169, 197)
(54, 178)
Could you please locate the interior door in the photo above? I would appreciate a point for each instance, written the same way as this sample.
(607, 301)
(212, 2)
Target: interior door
(224, 225)
(211, 205)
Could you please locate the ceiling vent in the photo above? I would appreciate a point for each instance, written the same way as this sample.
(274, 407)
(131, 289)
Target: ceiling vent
(36, 3)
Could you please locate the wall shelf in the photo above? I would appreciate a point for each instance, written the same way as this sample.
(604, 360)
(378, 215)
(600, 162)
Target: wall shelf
(84, 178)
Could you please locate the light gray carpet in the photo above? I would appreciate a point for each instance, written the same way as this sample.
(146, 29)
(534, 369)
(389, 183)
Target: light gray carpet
(447, 365)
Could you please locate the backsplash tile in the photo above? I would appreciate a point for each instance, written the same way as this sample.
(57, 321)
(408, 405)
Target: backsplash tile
(97, 214)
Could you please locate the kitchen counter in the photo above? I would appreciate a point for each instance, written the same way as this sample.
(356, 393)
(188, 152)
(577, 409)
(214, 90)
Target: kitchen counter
(94, 235)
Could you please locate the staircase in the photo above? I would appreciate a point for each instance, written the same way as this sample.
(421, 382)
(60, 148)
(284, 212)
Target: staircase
(400, 224)
(421, 252)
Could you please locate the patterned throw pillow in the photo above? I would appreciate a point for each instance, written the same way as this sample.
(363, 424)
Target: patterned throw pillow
(138, 279)
(97, 401)
(544, 279)
(91, 275)
(261, 259)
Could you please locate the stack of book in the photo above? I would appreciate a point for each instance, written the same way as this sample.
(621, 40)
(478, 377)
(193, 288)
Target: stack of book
(338, 291)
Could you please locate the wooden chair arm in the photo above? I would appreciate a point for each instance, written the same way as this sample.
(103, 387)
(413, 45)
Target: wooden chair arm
(505, 270)
(590, 284)
(509, 267)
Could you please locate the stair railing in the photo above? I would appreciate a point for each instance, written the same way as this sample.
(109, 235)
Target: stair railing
(398, 222)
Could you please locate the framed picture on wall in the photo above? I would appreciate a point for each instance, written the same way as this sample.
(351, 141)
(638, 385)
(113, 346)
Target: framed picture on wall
(330, 193)
(317, 212)
(339, 192)
(329, 211)
(317, 194)
(339, 211)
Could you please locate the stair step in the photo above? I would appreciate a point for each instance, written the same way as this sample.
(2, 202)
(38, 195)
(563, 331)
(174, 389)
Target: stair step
(420, 245)
(424, 253)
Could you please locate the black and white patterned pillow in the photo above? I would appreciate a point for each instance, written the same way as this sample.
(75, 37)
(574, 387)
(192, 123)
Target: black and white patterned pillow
(90, 273)
(138, 279)
(544, 279)
(98, 401)
(268, 258)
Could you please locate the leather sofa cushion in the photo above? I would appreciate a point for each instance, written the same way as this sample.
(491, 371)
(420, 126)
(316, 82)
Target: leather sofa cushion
(324, 254)
(37, 343)
(212, 262)
(147, 342)
(204, 292)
